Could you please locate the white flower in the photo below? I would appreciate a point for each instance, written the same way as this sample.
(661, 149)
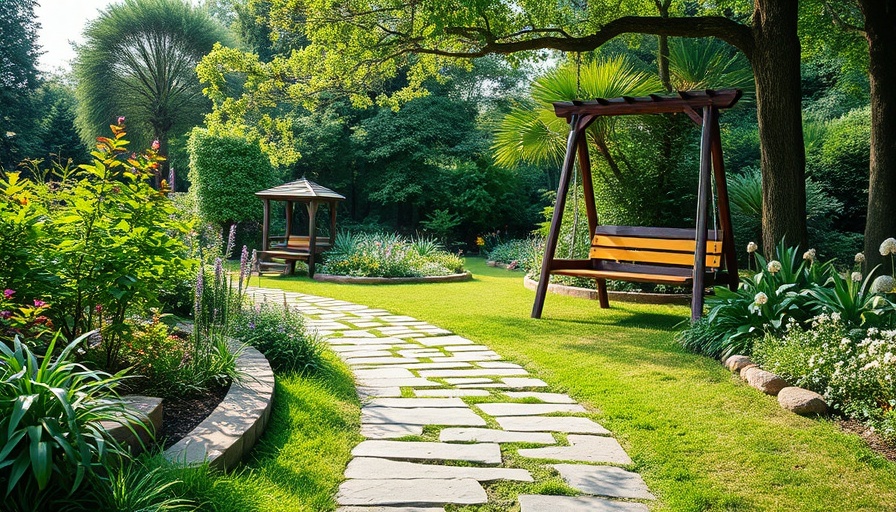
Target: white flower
(809, 255)
(888, 357)
(856, 276)
(752, 247)
(860, 257)
(888, 247)
(884, 284)
(835, 317)
(774, 266)
(872, 364)
(760, 299)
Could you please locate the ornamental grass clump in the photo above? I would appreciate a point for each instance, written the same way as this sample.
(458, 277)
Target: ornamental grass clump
(388, 255)
(279, 332)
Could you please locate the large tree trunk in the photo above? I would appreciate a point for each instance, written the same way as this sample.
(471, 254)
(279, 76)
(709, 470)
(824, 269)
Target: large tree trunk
(880, 31)
(776, 67)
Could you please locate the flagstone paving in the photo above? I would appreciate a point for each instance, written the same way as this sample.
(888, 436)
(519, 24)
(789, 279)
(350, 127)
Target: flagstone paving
(419, 382)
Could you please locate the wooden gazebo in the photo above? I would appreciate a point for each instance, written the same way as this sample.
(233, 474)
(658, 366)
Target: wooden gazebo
(678, 257)
(291, 248)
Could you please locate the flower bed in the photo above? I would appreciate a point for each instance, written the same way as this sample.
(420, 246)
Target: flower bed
(389, 256)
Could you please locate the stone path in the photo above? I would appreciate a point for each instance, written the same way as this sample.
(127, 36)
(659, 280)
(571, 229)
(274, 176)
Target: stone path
(412, 375)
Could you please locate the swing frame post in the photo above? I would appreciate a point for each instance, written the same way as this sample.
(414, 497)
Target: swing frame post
(703, 190)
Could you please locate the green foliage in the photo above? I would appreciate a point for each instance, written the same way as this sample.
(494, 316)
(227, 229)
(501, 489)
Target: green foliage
(138, 60)
(97, 243)
(226, 172)
(388, 255)
(708, 64)
(851, 298)
(525, 253)
(50, 438)
(19, 79)
(134, 485)
(279, 333)
(852, 368)
(441, 223)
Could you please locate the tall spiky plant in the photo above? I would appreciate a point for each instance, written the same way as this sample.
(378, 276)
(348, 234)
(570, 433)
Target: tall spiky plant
(139, 61)
(708, 64)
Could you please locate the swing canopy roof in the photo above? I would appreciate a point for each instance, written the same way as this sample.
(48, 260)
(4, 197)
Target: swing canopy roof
(688, 102)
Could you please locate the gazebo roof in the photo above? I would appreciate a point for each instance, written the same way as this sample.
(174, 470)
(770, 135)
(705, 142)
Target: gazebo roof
(300, 190)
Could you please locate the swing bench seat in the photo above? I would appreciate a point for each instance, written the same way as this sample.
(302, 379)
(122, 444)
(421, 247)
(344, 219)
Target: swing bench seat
(644, 255)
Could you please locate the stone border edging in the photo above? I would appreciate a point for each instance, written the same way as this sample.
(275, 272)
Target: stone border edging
(798, 400)
(635, 297)
(333, 278)
(232, 429)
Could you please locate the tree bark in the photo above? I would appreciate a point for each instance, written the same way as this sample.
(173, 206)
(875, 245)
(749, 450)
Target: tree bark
(880, 31)
(776, 68)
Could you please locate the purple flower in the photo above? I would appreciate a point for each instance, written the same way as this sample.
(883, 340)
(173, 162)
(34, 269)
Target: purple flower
(219, 270)
(200, 285)
(171, 178)
(5, 314)
(39, 303)
(244, 260)
(120, 120)
(252, 325)
(8, 293)
(231, 241)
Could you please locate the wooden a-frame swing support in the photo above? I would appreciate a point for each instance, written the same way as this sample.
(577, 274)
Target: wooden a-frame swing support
(703, 108)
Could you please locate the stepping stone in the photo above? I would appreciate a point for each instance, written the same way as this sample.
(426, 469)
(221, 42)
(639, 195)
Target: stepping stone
(485, 372)
(373, 469)
(356, 332)
(594, 449)
(604, 481)
(489, 384)
(444, 341)
(364, 325)
(450, 392)
(417, 402)
(330, 326)
(421, 416)
(351, 348)
(420, 352)
(483, 453)
(568, 424)
(469, 357)
(389, 430)
(466, 348)
(509, 409)
(388, 383)
(399, 318)
(433, 366)
(390, 509)
(384, 373)
(362, 354)
(373, 340)
(490, 435)
(551, 398)
(468, 380)
(533, 503)
(384, 359)
(515, 382)
(411, 492)
(499, 364)
(364, 392)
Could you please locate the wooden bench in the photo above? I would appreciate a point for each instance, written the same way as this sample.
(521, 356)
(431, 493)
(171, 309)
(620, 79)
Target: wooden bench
(644, 255)
(295, 248)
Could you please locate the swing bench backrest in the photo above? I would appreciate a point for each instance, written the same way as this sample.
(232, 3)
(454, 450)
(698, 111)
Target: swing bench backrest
(650, 254)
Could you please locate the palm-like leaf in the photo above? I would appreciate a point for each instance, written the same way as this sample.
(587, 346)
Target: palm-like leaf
(708, 64)
(532, 133)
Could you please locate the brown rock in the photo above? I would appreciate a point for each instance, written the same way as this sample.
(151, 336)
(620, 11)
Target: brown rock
(764, 381)
(802, 401)
(737, 363)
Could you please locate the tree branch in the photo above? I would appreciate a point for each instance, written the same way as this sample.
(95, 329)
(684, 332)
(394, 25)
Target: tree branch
(838, 21)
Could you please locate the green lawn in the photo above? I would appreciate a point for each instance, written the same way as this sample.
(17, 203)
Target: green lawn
(701, 439)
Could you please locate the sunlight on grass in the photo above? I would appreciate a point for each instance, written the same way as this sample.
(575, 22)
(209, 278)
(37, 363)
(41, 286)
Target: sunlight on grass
(701, 439)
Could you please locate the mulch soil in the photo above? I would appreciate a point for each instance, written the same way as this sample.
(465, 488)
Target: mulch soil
(181, 415)
(871, 437)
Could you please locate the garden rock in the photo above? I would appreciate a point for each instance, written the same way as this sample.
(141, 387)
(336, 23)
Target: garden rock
(764, 381)
(738, 363)
(802, 401)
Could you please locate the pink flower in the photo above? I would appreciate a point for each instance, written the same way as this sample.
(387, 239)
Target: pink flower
(120, 120)
(99, 308)
(156, 145)
(5, 314)
(39, 303)
(7, 293)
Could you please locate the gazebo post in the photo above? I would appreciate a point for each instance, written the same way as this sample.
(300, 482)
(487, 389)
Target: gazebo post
(312, 235)
(266, 227)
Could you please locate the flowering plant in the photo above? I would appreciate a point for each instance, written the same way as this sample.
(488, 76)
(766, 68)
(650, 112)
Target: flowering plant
(27, 321)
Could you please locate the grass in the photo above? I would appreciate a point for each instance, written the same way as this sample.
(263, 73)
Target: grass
(298, 463)
(701, 439)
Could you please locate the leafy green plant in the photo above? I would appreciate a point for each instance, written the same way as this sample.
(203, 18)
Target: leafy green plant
(441, 223)
(133, 485)
(279, 333)
(50, 437)
(388, 255)
(852, 299)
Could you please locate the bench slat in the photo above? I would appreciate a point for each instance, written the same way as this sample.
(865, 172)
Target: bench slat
(626, 276)
(652, 232)
(669, 258)
(667, 244)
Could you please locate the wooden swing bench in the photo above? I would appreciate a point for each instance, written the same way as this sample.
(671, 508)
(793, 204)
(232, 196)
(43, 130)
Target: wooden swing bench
(643, 255)
(647, 254)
